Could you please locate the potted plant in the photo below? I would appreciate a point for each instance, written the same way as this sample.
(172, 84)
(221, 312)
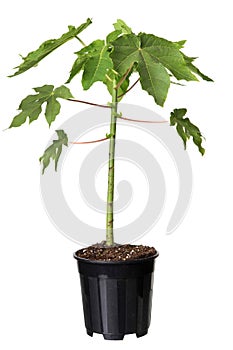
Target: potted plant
(116, 279)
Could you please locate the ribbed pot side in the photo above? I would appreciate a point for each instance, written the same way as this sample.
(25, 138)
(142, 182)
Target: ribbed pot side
(117, 296)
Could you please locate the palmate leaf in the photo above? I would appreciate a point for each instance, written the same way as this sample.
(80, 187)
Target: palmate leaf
(153, 76)
(34, 57)
(155, 58)
(53, 152)
(94, 59)
(186, 129)
(31, 106)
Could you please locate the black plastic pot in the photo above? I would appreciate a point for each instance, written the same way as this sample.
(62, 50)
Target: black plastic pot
(117, 296)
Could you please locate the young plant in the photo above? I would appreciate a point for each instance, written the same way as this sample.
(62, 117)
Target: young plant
(157, 62)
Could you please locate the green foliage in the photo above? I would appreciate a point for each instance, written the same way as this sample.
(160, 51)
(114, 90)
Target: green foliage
(34, 57)
(113, 61)
(53, 152)
(194, 69)
(31, 106)
(109, 81)
(121, 26)
(154, 57)
(96, 67)
(186, 129)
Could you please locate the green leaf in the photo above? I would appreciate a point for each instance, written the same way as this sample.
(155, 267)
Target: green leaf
(180, 44)
(122, 26)
(53, 152)
(83, 55)
(31, 106)
(77, 67)
(113, 36)
(186, 129)
(154, 78)
(194, 69)
(96, 67)
(62, 92)
(167, 53)
(34, 57)
(52, 109)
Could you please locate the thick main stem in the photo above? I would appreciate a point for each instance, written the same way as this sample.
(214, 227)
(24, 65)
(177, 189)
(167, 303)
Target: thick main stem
(110, 195)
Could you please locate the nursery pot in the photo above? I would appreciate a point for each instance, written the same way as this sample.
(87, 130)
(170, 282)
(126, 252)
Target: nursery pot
(116, 296)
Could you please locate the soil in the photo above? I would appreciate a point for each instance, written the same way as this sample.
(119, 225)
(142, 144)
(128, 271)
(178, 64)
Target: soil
(117, 252)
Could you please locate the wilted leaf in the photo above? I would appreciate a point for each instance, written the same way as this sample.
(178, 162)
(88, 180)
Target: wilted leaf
(53, 152)
(34, 57)
(186, 129)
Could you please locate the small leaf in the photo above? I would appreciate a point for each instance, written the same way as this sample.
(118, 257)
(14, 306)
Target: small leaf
(31, 106)
(186, 129)
(34, 57)
(122, 26)
(53, 152)
(62, 92)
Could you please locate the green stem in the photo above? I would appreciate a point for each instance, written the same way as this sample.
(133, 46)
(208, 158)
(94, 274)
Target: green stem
(110, 195)
(80, 40)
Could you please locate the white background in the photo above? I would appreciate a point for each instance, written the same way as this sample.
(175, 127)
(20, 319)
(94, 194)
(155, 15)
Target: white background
(40, 303)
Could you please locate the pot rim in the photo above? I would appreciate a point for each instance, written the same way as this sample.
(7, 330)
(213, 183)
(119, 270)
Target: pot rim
(112, 262)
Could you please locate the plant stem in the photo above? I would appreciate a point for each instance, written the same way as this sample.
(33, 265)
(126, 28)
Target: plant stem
(80, 40)
(88, 103)
(110, 195)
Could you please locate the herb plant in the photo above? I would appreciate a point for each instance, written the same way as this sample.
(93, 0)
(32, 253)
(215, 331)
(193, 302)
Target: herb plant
(158, 63)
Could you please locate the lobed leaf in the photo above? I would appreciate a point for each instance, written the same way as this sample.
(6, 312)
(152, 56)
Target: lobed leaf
(31, 106)
(186, 129)
(34, 57)
(153, 76)
(53, 152)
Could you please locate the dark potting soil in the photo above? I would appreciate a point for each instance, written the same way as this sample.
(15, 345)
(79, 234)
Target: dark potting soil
(117, 252)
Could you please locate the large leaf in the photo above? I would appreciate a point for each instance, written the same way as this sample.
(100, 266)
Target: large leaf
(34, 57)
(53, 152)
(186, 129)
(154, 78)
(31, 106)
